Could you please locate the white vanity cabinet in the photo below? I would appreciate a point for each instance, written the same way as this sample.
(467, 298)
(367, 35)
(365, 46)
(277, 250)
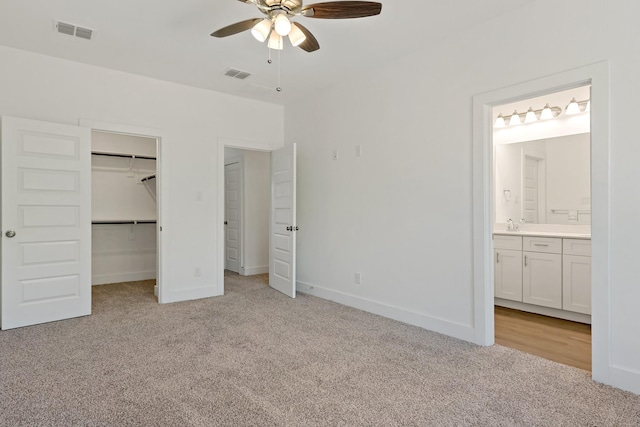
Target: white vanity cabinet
(576, 275)
(547, 275)
(542, 271)
(507, 258)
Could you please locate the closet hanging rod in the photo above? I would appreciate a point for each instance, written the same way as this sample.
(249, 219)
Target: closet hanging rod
(124, 222)
(147, 178)
(127, 156)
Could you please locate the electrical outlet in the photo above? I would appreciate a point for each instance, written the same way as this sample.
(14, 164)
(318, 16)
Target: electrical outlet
(357, 278)
(358, 150)
(199, 196)
(196, 271)
(334, 155)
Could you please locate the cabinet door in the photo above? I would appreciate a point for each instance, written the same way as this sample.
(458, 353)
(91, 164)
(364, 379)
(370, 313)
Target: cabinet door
(542, 279)
(576, 283)
(508, 274)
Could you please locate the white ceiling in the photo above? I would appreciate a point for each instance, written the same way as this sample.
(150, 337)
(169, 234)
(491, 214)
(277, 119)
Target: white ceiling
(169, 39)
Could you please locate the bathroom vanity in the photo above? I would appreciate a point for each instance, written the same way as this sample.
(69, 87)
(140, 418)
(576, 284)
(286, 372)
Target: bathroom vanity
(544, 272)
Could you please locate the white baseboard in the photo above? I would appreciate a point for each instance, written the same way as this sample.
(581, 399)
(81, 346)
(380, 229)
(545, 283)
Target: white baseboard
(624, 379)
(250, 271)
(545, 311)
(103, 279)
(442, 326)
(189, 294)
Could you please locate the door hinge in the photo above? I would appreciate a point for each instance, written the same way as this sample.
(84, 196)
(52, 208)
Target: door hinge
(292, 228)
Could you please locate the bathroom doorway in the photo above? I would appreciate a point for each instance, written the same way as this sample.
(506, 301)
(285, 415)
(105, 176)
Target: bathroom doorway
(542, 226)
(597, 76)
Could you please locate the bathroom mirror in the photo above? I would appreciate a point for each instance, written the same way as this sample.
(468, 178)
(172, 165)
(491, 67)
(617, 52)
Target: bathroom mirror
(545, 181)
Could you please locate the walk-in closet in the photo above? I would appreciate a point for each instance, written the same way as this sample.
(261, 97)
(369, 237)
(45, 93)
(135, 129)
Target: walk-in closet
(123, 209)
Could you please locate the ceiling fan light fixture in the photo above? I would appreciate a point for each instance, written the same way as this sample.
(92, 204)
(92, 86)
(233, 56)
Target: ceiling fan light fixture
(282, 25)
(275, 41)
(296, 36)
(261, 30)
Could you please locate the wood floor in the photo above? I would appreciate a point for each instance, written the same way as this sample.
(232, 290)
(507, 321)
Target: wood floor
(555, 339)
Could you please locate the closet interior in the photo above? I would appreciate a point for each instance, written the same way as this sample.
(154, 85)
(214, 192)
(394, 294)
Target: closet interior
(123, 208)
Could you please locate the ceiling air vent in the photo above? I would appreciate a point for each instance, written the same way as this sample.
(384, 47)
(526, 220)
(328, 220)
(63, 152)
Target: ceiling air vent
(238, 74)
(72, 30)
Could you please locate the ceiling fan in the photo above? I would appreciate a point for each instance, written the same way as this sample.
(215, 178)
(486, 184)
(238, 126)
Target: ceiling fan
(279, 12)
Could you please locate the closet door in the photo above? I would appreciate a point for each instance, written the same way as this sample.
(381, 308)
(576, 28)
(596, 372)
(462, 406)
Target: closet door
(46, 222)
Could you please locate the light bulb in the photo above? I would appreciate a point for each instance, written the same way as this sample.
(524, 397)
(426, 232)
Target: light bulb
(515, 118)
(573, 107)
(261, 30)
(282, 24)
(546, 113)
(296, 36)
(531, 116)
(588, 107)
(499, 123)
(275, 41)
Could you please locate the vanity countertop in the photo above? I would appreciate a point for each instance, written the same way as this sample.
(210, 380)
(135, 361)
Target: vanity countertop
(529, 233)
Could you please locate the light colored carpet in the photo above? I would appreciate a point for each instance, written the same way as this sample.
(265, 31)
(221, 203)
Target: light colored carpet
(256, 357)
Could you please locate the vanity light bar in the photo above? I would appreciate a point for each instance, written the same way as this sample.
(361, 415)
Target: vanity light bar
(532, 115)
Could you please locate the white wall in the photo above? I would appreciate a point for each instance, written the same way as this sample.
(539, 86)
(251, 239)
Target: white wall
(192, 121)
(257, 190)
(402, 213)
(122, 253)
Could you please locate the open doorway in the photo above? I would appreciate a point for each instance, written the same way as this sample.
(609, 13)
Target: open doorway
(247, 190)
(124, 213)
(542, 226)
(596, 75)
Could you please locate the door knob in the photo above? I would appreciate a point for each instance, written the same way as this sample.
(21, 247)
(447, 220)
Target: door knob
(10, 233)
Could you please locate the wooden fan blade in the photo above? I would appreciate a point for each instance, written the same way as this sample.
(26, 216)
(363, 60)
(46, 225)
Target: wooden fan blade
(236, 28)
(342, 9)
(310, 44)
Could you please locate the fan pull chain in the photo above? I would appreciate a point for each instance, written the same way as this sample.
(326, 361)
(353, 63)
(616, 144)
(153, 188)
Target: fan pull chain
(279, 88)
(269, 61)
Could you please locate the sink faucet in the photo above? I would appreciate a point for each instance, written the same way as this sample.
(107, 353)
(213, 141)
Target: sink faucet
(511, 226)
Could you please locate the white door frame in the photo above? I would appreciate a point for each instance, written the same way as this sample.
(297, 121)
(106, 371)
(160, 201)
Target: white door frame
(240, 161)
(241, 145)
(161, 190)
(597, 75)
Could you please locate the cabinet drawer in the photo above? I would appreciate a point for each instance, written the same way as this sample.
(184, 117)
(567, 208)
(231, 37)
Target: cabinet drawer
(576, 247)
(549, 245)
(501, 241)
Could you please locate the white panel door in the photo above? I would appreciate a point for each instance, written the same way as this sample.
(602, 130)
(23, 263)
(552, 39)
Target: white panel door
(282, 238)
(46, 222)
(232, 194)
